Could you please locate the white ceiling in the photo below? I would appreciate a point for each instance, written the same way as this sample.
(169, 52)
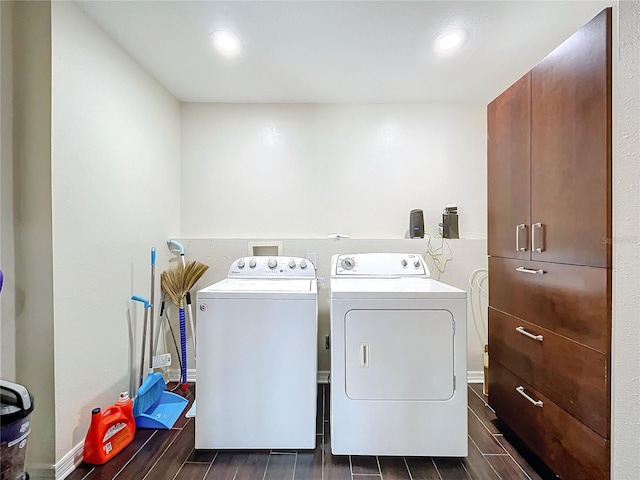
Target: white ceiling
(339, 51)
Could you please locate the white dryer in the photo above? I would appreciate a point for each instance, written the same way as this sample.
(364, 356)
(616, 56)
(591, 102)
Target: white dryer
(398, 358)
(257, 356)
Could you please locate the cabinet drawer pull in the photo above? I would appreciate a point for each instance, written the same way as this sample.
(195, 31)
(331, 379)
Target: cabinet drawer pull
(537, 227)
(529, 270)
(530, 335)
(537, 403)
(521, 228)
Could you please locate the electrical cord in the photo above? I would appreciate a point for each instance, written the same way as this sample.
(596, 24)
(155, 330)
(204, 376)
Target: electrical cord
(438, 256)
(476, 278)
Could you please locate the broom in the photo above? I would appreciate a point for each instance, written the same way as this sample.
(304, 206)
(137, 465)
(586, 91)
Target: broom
(176, 283)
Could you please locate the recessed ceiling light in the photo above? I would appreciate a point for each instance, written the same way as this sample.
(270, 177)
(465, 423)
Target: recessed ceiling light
(449, 42)
(226, 43)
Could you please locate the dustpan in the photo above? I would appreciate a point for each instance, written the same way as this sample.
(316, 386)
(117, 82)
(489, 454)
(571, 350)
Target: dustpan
(155, 407)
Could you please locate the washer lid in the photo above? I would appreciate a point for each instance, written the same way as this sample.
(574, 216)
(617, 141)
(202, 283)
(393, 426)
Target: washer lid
(404, 287)
(252, 287)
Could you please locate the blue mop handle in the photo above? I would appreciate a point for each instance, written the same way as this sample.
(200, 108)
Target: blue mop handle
(183, 347)
(146, 302)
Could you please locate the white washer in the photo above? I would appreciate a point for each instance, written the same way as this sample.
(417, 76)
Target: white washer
(398, 358)
(257, 356)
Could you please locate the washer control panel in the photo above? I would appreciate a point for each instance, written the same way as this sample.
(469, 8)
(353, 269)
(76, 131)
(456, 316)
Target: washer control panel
(380, 265)
(274, 267)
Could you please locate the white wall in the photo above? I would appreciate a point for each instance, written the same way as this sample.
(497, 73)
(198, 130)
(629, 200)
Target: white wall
(302, 171)
(115, 161)
(7, 250)
(33, 283)
(299, 171)
(625, 394)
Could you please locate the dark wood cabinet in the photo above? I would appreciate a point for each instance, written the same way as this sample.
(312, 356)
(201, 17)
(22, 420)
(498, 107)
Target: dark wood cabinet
(571, 149)
(508, 147)
(549, 246)
(549, 145)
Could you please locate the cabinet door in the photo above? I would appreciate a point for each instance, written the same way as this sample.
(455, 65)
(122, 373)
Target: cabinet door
(508, 151)
(571, 149)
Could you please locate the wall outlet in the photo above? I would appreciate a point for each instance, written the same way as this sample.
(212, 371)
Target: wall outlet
(160, 361)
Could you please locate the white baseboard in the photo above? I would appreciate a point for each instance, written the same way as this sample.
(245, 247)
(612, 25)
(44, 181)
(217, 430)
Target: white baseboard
(69, 462)
(174, 375)
(60, 470)
(475, 377)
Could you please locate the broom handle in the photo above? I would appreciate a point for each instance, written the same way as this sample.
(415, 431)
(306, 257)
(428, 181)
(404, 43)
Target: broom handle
(190, 311)
(183, 346)
(151, 312)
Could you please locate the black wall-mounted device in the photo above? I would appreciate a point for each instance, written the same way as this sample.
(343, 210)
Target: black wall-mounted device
(416, 224)
(450, 222)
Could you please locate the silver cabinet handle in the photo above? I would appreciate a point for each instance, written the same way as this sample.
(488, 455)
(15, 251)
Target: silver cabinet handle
(537, 403)
(521, 228)
(537, 227)
(521, 330)
(529, 270)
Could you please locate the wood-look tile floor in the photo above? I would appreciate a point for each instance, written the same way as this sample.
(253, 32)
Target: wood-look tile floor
(169, 454)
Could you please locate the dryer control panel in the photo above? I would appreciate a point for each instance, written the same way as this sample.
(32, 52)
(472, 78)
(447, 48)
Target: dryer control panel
(379, 265)
(271, 267)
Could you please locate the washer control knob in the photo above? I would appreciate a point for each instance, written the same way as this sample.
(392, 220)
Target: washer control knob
(272, 263)
(348, 263)
(303, 264)
(404, 262)
(416, 263)
(240, 263)
(252, 264)
(292, 264)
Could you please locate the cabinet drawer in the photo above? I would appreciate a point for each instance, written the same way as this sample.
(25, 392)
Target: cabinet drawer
(572, 301)
(575, 377)
(566, 445)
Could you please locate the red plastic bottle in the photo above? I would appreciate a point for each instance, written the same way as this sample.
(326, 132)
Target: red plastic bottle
(110, 431)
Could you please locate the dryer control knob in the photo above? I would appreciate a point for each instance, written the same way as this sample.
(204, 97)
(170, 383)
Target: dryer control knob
(272, 263)
(416, 263)
(303, 264)
(404, 262)
(240, 263)
(292, 264)
(252, 264)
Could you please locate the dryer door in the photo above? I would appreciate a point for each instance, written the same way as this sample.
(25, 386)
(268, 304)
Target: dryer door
(399, 354)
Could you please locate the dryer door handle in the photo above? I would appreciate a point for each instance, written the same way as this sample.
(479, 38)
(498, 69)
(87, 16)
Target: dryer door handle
(363, 355)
